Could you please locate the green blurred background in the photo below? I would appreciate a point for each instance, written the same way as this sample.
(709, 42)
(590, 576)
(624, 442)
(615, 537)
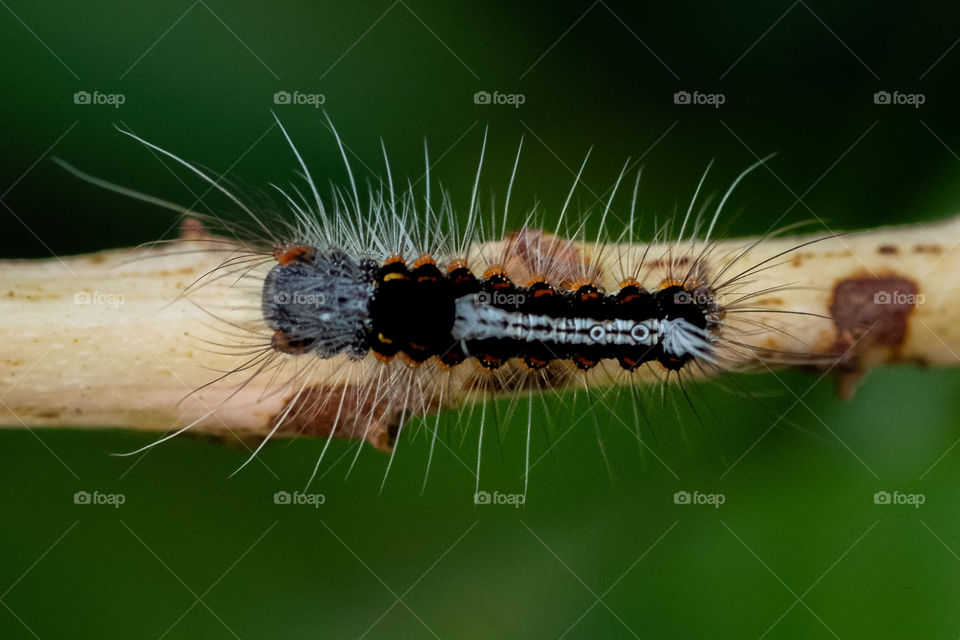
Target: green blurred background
(798, 549)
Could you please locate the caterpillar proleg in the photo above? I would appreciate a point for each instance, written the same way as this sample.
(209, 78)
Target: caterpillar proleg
(359, 310)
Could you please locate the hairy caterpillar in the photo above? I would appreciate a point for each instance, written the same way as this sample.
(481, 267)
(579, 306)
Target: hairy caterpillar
(362, 313)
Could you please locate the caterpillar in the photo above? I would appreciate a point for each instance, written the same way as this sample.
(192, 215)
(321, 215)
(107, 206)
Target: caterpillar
(363, 313)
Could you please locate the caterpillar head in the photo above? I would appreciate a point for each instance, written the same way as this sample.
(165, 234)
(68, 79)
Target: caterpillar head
(318, 301)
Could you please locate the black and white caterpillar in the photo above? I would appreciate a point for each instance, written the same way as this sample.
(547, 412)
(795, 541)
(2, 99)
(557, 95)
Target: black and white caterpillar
(329, 303)
(365, 312)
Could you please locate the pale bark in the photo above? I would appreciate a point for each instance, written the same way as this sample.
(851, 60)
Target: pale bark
(94, 341)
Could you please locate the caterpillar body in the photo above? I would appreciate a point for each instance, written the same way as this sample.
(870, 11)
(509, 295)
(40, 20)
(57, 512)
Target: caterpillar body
(365, 314)
(330, 304)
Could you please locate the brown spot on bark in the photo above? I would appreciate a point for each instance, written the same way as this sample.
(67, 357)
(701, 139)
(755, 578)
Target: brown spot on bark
(870, 316)
(352, 410)
(193, 229)
(769, 302)
(667, 263)
(533, 252)
(888, 250)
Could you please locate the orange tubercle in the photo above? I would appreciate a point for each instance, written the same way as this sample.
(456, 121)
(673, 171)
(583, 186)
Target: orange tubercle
(457, 263)
(666, 284)
(289, 253)
(494, 270)
(424, 258)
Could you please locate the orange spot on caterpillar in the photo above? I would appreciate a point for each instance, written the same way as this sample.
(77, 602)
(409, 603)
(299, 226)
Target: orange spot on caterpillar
(457, 263)
(489, 361)
(588, 292)
(409, 360)
(290, 253)
(630, 297)
(583, 284)
(671, 363)
(535, 363)
(281, 342)
(424, 258)
(494, 270)
(584, 363)
(887, 249)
